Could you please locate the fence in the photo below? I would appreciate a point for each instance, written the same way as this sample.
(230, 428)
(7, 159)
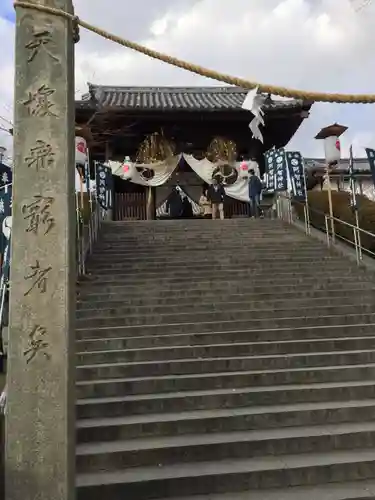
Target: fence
(334, 228)
(130, 206)
(89, 216)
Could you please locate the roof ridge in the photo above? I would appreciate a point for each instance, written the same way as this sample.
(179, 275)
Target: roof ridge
(188, 98)
(170, 88)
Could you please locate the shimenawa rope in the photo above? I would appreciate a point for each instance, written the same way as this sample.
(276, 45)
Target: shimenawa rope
(194, 68)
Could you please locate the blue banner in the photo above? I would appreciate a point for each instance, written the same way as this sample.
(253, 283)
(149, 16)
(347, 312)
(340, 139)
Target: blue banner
(104, 186)
(371, 159)
(296, 168)
(277, 179)
(4, 284)
(5, 211)
(270, 171)
(6, 175)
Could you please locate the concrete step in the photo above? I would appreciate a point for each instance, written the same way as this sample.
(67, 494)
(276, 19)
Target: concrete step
(278, 246)
(177, 236)
(110, 353)
(209, 260)
(163, 451)
(200, 229)
(113, 365)
(157, 319)
(196, 242)
(257, 271)
(87, 332)
(210, 296)
(217, 357)
(288, 339)
(207, 381)
(200, 272)
(211, 421)
(193, 256)
(118, 308)
(204, 288)
(189, 253)
(188, 223)
(105, 404)
(355, 490)
(221, 476)
(221, 234)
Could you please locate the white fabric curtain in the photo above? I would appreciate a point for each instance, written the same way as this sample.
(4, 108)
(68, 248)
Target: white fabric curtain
(204, 168)
(164, 170)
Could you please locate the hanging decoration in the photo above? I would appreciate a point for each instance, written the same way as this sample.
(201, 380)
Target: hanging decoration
(277, 179)
(126, 170)
(81, 151)
(239, 190)
(145, 172)
(226, 174)
(154, 149)
(269, 157)
(296, 169)
(222, 150)
(104, 186)
(224, 153)
(244, 170)
(254, 102)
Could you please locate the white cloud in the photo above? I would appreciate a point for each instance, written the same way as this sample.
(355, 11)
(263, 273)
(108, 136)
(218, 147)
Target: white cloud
(311, 44)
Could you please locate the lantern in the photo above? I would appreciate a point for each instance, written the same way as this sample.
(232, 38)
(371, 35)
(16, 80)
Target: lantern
(244, 170)
(127, 169)
(81, 151)
(332, 148)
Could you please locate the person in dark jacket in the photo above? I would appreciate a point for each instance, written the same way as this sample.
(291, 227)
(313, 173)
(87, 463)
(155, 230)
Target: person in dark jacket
(175, 204)
(187, 209)
(216, 195)
(255, 190)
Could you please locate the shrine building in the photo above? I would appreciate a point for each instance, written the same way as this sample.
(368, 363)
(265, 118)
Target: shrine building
(120, 119)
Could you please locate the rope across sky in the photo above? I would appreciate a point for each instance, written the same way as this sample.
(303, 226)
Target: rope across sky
(199, 70)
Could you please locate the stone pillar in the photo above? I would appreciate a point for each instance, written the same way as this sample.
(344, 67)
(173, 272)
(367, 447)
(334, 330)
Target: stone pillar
(40, 418)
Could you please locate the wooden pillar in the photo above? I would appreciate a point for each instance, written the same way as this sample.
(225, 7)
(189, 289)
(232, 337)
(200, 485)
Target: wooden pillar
(40, 420)
(150, 203)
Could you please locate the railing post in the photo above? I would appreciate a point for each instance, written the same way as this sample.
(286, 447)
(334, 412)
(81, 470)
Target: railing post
(358, 235)
(305, 210)
(327, 231)
(355, 234)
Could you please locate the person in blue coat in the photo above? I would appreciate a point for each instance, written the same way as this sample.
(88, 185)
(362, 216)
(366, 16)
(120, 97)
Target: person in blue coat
(255, 190)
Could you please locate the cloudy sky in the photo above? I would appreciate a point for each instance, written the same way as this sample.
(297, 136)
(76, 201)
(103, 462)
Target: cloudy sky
(325, 45)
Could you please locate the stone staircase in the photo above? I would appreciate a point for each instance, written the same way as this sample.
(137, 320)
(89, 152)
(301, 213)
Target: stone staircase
(224, 360)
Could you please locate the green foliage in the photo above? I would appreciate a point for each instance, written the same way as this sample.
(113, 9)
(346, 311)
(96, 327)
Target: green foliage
(319, 206)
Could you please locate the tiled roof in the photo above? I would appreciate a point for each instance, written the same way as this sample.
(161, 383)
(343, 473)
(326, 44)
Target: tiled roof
(179, 98)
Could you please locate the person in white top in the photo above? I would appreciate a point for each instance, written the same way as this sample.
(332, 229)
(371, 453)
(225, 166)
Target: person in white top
(205, 204)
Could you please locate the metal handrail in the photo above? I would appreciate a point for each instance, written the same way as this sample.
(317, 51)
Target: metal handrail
(331, 235)
(87, 234)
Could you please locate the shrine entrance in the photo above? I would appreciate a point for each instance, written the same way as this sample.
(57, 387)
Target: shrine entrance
(132, 200)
